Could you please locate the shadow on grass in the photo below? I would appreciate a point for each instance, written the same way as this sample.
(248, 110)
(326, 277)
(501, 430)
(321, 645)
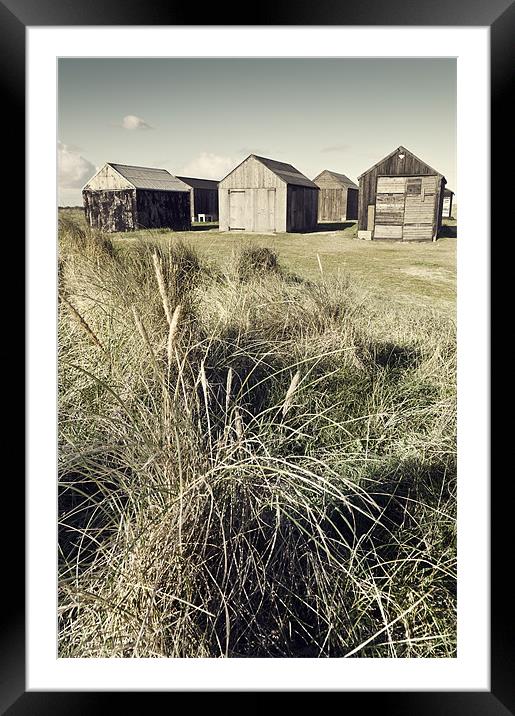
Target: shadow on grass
(405, 492)
(448, 232)
(385, 354)
(402, 490)
(204, 227)
(390, 355)
(332, 226)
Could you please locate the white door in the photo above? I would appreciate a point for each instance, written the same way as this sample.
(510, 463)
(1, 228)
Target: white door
(236, 210)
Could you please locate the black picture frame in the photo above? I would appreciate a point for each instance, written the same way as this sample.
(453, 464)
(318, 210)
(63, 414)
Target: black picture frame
(499, 16)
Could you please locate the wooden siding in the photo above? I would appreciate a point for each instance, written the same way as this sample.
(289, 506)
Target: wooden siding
(130, 209)
(108, 179)
(163, 209)
(254, 179)
(391, 167)
(332, 204)
(251, 210)
(111, 210)
(337, 199)
(263, 202)
(252, 174)
(302, 209)
(204, 201)
(391, 232)
(420, 208)
(406, 208)
(352, 204)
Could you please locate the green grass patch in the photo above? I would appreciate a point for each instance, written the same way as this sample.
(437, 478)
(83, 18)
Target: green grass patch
(257, 455)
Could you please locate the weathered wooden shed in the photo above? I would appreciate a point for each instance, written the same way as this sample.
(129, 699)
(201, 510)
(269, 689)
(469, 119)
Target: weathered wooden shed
(448, 198)
(337, 198)
(400, 198)
(203, 197)
(120, 197)
(264, 195)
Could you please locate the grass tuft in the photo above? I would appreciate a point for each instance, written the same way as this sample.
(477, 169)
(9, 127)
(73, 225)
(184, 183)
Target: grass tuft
(253, 466)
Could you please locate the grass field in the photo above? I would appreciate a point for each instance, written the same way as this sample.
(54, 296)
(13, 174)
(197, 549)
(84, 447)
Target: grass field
(420, 274)
(257, 445)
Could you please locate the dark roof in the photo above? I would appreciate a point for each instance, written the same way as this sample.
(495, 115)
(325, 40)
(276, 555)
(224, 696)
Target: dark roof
(149, 178)
(286, 172)
(339, 177)
(200, 183)
(405, 151)
(448, 192)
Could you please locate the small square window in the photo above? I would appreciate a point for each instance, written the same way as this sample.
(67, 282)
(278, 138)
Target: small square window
(414, 186)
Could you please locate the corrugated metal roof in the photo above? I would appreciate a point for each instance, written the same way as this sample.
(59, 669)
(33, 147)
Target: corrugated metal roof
(200, 183)
(286, 172)
(150, 178)
(340, 177)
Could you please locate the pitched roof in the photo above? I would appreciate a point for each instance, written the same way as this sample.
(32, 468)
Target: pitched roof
(286, 172)
(200, 183)
(342, 178)
(149, 178)
(405, 151)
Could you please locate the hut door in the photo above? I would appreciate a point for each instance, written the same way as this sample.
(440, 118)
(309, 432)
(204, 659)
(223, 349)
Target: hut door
(236, 210)
(389, 214)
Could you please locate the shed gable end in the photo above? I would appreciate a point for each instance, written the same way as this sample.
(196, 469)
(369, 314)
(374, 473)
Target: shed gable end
(108, 179)
(251, 174)
(400, 162)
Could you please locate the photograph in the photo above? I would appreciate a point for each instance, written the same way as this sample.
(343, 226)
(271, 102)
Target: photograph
(257, 358)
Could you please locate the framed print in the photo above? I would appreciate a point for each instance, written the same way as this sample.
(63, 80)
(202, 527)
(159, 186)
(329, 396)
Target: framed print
(248, 318)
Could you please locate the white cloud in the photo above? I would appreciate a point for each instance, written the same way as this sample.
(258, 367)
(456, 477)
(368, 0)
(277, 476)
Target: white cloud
(130, 121)
(208, 166)
(74, 169)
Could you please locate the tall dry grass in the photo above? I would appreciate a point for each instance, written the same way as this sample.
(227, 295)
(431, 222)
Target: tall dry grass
(250, 465)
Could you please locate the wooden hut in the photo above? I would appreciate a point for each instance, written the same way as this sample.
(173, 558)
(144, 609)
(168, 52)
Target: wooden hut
(400, 198)
(448, 198)
(337, 198)
(264, 195)
(123, 198)
(203, 197)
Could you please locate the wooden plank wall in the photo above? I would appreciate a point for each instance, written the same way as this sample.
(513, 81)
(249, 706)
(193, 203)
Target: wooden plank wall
(332, 204)
(302, 208)
(251, 210)
(351, 212)
(420, 209)
(295, 208)
(407, 208)
(256, 180)
(337, 201)
(163, 209)
(107, 179)
(111, 210)
(251, 174)
(204, 201)
(392, 166)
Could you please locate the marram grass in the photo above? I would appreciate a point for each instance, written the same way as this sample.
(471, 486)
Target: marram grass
(251, 465)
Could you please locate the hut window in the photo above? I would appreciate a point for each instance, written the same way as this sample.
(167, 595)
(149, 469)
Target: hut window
(414, 186)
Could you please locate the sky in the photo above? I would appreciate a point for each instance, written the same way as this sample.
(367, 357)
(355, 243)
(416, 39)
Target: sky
(202, 117)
